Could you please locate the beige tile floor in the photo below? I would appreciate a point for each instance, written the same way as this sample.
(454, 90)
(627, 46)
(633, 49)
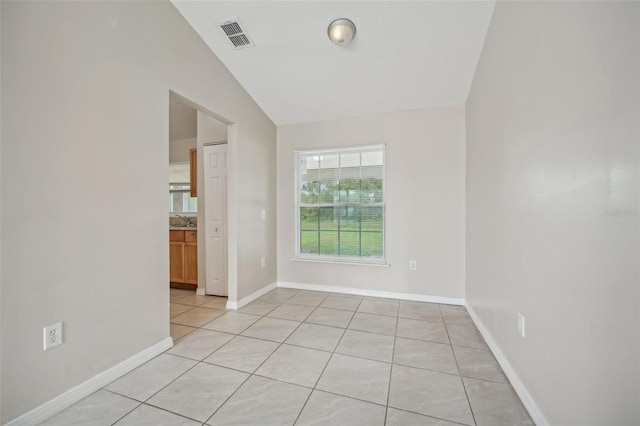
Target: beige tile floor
(302, 357)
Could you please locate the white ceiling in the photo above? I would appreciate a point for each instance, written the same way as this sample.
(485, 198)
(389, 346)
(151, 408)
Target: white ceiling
(405, 55)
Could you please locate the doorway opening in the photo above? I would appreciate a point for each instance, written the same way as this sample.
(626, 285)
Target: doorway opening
(200, 146)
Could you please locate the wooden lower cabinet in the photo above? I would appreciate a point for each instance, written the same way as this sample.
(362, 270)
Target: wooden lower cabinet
(191, 262)
(183, 259)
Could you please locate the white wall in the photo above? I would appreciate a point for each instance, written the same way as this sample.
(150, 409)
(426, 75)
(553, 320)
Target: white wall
(179, 149)
(0, 215)
(552, 150)
(85, 90)
(424, 201)
(209, 130)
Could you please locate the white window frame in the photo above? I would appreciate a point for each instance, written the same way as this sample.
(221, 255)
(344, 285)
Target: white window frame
(377, 261)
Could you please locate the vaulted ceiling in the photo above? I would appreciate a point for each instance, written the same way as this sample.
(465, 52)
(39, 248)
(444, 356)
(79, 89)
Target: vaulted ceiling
(405, 55)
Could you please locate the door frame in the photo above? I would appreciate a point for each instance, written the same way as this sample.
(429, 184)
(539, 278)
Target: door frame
(232, 232)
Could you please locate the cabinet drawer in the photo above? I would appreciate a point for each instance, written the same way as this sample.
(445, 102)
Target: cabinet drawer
(191, 236)
(176, 235)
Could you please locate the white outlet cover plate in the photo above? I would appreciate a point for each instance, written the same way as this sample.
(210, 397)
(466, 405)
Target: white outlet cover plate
(52, 336)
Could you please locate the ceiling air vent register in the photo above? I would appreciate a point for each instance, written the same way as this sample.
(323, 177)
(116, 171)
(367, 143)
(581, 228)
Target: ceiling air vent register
(237, 36)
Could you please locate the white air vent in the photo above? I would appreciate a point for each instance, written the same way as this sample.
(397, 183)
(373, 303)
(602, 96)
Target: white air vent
(236, 34)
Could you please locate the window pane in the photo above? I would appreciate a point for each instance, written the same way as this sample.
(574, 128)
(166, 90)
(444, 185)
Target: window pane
(372, 228)
(309, 242)
(309, 218)
(349, 243)
(350, 166)
(329, 167)
(329, 243)
(350, 191)
(328, 192)
(329, 219)
(350, 220)
(329, 162)
(372, 158)
(371, 191)
(371, 218)
(309, 192)
(307, 169)
(371, 244)
(180, 201)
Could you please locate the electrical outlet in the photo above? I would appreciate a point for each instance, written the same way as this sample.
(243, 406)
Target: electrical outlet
(412, 265)
(520, 324)
(52, 336)
(263, 262)
(263, 214)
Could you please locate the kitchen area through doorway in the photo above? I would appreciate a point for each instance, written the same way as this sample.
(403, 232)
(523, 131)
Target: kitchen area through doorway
(197, 197)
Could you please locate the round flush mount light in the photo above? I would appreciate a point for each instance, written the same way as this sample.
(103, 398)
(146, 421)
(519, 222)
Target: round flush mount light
(341, 31)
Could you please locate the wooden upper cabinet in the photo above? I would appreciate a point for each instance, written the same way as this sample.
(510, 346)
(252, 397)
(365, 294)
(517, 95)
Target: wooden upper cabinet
(193, 169)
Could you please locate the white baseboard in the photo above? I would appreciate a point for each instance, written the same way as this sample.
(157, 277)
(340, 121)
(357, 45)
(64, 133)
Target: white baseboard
(250, 298)
(516, 383)
(85, 389)
(200, 291)
(373, 293)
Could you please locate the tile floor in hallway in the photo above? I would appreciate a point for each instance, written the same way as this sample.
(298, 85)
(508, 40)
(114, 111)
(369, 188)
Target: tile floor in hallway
(302, 357)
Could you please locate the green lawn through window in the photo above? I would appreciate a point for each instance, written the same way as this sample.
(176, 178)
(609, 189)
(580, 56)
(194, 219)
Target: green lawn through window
(342, 238)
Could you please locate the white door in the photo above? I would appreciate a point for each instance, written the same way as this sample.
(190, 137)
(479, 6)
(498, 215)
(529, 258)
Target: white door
(215, 214)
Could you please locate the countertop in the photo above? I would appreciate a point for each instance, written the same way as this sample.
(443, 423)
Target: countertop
(183, 228)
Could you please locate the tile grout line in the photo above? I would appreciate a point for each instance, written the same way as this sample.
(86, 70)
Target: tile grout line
(128, 412)
(333, 352)
(206, 356)
(266, 359)
(261, 364)
(250, 374)
(326, 364)
(393, 355)
(473, 417)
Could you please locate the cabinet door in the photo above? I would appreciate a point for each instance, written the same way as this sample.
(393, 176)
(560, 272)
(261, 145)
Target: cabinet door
(191, 263)
(176, 261)
(176, 235)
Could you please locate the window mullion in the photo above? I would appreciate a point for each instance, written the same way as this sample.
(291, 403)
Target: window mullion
(334, 202)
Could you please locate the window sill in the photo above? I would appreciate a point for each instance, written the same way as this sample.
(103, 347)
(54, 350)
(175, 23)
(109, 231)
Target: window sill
(378, 263)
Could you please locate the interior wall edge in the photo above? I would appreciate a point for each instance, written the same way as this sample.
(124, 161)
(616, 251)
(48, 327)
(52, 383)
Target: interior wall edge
(250, 298)
(518, 385)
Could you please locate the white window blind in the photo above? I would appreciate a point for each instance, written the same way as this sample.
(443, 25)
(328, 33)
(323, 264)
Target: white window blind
(340, 204)
(180, 199)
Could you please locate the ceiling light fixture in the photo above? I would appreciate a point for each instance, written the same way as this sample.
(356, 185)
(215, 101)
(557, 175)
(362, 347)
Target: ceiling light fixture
(341, 31)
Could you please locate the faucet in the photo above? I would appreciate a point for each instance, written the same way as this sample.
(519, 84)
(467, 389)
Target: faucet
(187, 220)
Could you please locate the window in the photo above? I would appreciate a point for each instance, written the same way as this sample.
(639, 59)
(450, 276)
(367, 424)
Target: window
(180, 200)
(340, 204)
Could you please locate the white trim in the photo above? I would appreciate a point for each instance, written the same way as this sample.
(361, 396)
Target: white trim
(86, 388)
(200, 291)
(355, 149)
(250, 298)
(516, 382)
(373, 293)
(338, 261)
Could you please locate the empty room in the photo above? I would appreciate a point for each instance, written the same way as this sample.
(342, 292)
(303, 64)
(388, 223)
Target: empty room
(320, 212)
